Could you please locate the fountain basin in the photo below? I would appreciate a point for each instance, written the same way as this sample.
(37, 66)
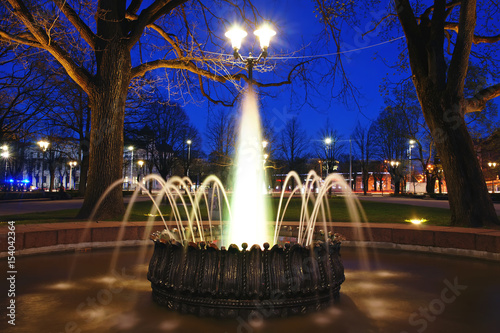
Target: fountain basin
(280, 281)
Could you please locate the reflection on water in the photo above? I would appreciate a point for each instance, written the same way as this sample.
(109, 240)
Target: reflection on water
(371, 301)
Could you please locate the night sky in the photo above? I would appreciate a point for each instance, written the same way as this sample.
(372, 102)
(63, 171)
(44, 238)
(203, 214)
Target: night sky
(296, 26)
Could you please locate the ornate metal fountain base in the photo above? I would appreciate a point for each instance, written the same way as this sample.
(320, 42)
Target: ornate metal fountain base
(282, 281)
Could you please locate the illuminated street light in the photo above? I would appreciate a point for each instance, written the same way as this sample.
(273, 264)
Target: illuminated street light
(72, 164)
(412, 142)
(328, 142)
(43, 145)
(189, 142)
(492, 165)
(236, 35)
(131, 149)
(5, 155)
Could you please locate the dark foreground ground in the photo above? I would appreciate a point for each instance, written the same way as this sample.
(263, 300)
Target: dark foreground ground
(396, 291)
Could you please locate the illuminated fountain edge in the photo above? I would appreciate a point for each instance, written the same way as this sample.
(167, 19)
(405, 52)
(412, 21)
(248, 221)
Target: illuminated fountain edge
(201, 279)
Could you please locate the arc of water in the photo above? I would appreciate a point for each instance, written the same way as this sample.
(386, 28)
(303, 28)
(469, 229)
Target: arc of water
(171, 187)
(329, 181)
(279, 221)
(200, 193)
(121, 232)
(175, 211)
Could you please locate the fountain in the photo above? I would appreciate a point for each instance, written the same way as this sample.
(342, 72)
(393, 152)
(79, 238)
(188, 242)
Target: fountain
(200, 270)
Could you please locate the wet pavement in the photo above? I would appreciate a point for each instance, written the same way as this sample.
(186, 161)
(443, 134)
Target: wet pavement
(401, 292)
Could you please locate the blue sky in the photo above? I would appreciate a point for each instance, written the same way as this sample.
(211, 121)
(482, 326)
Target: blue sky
(297, 27)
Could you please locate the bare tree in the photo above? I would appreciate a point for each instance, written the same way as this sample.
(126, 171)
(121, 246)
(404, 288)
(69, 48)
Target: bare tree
(363, 140)
(221, 139)
(126, 43)
(391, 142)
(329, 147)
(170, 130)
(293, 145)
(447, 30)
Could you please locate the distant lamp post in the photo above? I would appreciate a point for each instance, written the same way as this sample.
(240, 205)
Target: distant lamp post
(394, 164)
(412, 142)
(141, 164)
(236, 35)
(43, 146)
(72, 164)
(5, 155)
(328, 142)
(131, 149)
(492, 165)
(189, 142)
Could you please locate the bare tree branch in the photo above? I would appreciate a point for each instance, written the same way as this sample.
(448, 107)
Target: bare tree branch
(414, 39)
(479, 100)
(453, 26)
(149, 15)
(80, 75)
(4, 36)
(168, 37)
(134, 6)
(87, 34)
(460, 59)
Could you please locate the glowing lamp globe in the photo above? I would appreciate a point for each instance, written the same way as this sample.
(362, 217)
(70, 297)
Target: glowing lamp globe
(264, 33)
(236, 35)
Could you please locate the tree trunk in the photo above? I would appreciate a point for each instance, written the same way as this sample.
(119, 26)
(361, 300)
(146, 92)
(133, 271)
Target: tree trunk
(107, 102)
(52, 173)
(430, 182)
(84, 169)
(365, 180)
(470, 203)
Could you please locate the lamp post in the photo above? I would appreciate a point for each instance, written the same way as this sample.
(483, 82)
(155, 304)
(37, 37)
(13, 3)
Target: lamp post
(236, 35)
(350, 163)
(131, 149)
(328, 142)
(189, 142)
(72, 164)
(43, 145)
(5, 155)
(411, 163)
(141, 164)
(492, 165)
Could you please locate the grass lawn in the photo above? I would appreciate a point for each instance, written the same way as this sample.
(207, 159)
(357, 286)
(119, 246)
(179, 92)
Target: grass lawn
(375, 211)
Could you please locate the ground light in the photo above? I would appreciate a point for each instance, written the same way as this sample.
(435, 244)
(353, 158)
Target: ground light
(416, 221)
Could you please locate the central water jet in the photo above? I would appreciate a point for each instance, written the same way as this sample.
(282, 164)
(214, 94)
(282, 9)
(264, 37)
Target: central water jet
(248, 203)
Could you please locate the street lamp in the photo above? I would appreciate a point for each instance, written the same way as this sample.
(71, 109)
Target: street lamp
(141, 164)
(189, 142)
(43, 145)
(131, 149)
(411, 163)
(72, 164)
(492, 165)
(236, 35)
(5, 155)
(328, 142)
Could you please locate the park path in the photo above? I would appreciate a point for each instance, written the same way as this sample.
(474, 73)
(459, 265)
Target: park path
(414, 201)
(12, 207)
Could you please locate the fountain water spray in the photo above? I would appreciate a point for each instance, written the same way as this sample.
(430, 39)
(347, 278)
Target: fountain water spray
(249, 221)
